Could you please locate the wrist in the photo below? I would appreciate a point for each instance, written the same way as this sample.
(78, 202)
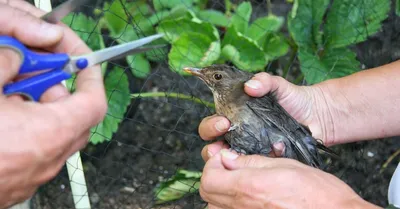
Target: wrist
(326, 109)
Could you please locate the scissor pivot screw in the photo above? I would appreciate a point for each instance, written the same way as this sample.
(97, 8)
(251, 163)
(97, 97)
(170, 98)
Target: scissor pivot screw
(82, 63)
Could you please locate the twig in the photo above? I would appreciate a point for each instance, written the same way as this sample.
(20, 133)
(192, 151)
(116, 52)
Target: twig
(173, 95)
(389, 160)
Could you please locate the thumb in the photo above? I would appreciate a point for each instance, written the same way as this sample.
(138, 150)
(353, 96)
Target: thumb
(233, 161)
(10, 61)
(263, 83)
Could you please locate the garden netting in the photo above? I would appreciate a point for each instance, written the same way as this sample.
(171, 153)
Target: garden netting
(149, 139)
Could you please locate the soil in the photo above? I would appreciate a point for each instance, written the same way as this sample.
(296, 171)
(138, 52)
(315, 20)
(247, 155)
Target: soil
(159, 135)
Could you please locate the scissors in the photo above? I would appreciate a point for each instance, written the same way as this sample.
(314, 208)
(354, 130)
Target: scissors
(62, 66)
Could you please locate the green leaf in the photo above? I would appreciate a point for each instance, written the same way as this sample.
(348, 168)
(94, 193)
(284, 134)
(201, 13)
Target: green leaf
(275, 45)
(182, 183)
(264, 25)
(304, 22)
(333, 63)
(138, 7)
(86, 28)
(89, 32)
(397, 7)
(140, 66)
(352, 21)
(169, 4)
(118, 97)
(128, 34)
(159, 54)
(176, 12)
(241, 17)
(179, 11)
(115, 17)
(193, 49)
(243, 52)
(214, 17)
(173, 29)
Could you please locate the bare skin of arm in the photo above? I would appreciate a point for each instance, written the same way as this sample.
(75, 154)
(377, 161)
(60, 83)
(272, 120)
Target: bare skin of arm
(362, 106)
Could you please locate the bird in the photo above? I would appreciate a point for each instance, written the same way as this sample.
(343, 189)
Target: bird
(257, 123)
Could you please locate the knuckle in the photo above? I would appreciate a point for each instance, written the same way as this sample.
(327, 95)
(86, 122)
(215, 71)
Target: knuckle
(262, 75)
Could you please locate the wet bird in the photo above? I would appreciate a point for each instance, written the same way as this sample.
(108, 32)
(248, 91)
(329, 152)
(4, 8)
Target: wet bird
(258, 123)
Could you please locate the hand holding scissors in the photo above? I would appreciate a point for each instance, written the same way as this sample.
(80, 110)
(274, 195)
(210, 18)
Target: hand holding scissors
(61, 65)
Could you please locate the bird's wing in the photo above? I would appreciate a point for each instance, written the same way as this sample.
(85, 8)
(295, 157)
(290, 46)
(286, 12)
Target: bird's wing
(271, 112)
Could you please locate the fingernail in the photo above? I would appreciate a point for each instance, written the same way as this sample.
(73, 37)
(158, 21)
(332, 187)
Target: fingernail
(51, 31)
(254, 84)
(227, 154)
(221, 125)
(279, 148)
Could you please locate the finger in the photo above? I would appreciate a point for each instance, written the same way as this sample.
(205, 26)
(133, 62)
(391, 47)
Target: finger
(27, 28)
(212, 149)
(216, 179)
(9, 65)
(233, 161)
(55, 93)
(260, 84)
(213, 126)
(278, 149)
(24, 6)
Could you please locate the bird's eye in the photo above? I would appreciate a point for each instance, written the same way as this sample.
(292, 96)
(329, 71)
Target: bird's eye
(217, 76)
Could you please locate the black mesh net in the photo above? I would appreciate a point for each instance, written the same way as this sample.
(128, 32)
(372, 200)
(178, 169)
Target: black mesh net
(150, 131)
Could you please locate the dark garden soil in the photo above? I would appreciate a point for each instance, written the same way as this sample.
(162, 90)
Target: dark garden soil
(159, 135)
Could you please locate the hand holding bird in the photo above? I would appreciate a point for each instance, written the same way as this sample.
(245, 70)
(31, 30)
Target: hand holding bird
(258, 125)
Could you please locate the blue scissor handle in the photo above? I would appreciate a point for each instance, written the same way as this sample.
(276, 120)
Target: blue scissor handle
(34, 61)
(35, 86)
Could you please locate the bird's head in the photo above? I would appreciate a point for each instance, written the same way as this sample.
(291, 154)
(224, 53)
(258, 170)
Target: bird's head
(221, 79)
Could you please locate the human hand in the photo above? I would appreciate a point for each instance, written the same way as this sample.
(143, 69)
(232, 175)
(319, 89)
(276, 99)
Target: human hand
(230, 181)
(37, 138)
(305, 103)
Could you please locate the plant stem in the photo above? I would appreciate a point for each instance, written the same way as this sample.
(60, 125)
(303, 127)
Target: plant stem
(228, 7)
(173, 95)
(269, 7)
(291, 60)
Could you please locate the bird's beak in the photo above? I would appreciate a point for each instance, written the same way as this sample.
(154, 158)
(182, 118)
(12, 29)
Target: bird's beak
(193, 71)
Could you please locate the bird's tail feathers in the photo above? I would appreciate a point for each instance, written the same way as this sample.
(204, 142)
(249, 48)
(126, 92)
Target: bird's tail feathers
(307, 152)
(327, 150)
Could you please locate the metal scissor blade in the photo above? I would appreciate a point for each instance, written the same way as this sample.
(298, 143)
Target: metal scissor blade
(57, 14)
(138, 50)
(100, 56)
